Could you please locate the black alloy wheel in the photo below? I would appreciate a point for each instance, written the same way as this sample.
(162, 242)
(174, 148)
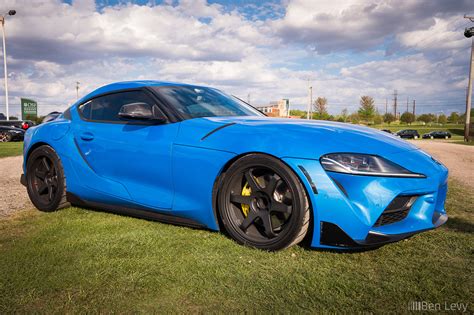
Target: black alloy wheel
(45, 180)
(263, 204)
(5, 136)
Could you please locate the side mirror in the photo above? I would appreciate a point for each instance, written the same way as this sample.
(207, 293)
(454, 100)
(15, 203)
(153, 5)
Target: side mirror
(141, 111)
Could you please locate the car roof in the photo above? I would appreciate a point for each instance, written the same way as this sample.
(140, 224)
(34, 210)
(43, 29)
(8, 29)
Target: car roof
(129, 85)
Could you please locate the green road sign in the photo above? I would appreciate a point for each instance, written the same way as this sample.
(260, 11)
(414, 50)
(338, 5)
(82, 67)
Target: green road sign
(29, 109)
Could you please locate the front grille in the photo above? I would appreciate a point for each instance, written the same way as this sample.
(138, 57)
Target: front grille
(396, 211)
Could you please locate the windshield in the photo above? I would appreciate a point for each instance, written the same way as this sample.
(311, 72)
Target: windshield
(194, 102)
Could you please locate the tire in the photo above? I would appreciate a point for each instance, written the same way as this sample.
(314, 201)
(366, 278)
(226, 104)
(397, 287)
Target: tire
(263, 204)
(5, 136)
(45, 180)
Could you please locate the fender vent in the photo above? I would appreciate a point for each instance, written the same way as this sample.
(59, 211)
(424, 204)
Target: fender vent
(396, 211)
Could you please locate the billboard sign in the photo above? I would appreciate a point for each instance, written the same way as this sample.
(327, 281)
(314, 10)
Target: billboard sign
(29, 109)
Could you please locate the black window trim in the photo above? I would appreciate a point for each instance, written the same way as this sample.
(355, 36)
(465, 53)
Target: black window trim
(145, 90)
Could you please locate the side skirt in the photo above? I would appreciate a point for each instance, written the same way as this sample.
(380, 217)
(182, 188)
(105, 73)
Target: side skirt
(138, 212)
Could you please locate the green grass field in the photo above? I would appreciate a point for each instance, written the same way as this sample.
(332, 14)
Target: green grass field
(11, 149)
(457, 131)
(77, 260)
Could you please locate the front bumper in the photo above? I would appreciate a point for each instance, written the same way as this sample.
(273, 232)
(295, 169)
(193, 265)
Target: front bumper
(347, 209)
(332, 235)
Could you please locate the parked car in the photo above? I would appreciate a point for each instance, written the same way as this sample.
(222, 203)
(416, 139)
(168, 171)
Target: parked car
(51, 116)
(408, 134)
(8, 134)
(437, 135)
(22, 124)
(386, 130)
(193, 155)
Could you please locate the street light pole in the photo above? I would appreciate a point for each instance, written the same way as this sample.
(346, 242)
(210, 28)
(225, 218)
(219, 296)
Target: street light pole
(469, 32)
(467, 123)
(2, 21)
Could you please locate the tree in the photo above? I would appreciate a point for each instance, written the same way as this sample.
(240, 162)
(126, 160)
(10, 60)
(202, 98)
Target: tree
(407, 118)
(298, 112)
(442, 119)
(426, 118)
(388, 118)
(378, 119)
(453, 118)
(354, 118)
(344, 115)
(367, 108)
(320, 106)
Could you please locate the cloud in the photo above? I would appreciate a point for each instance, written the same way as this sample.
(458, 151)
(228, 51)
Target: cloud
(347, 49)
(339, 25)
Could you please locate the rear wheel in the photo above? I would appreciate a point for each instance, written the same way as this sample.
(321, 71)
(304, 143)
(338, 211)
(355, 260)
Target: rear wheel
(5, 137)
(263, 204)
(45, 180)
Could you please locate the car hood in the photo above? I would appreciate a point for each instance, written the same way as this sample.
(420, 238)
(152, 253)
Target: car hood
(285, 137)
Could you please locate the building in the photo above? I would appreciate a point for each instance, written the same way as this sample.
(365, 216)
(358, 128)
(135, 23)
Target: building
(279, 108)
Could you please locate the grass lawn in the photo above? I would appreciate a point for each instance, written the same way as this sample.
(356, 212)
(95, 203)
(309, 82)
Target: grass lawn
(78, 260)
(11, 149)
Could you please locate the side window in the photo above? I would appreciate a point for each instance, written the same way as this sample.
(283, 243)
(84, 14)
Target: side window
(106, 108)
(85, 110)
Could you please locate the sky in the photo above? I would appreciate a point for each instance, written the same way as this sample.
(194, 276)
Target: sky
(260, 51)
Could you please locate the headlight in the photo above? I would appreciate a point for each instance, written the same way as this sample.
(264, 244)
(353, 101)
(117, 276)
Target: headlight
(364, 164)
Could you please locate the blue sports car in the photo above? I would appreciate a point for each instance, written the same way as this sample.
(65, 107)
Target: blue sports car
(195, 156)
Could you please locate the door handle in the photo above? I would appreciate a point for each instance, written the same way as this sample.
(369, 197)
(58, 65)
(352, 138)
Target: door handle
(87, 136)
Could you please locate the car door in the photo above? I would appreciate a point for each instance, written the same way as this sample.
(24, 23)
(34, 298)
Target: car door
(136, 154)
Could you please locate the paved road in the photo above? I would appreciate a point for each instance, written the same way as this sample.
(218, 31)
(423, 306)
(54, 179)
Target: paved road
(458, 158)
(13, 197)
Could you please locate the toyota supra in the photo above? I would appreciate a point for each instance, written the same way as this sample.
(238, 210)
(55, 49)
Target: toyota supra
(193, 155)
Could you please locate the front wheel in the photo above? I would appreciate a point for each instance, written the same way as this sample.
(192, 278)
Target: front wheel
(45, 180)
(263, 204)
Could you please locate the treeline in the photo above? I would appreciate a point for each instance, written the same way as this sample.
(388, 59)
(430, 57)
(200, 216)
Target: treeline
(368, 114)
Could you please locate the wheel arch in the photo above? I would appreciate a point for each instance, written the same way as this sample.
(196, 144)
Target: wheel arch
(220, 176)
(34, 147)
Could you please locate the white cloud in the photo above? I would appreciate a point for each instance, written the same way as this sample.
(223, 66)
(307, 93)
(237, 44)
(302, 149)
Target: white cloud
(52, 45)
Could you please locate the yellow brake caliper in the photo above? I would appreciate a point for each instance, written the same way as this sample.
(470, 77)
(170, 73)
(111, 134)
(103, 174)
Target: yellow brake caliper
(246, 191)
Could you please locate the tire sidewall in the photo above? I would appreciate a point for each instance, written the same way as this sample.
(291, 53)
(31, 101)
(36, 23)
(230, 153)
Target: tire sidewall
(300, 203)
(45, 151)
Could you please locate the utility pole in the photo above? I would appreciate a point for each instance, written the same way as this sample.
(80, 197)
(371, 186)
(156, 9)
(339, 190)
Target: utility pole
(469, 33)
(248, 98)
(395, 104)
(77, 90)
(414, 108)
(386, 105)
(407, 104)
(310, 95)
